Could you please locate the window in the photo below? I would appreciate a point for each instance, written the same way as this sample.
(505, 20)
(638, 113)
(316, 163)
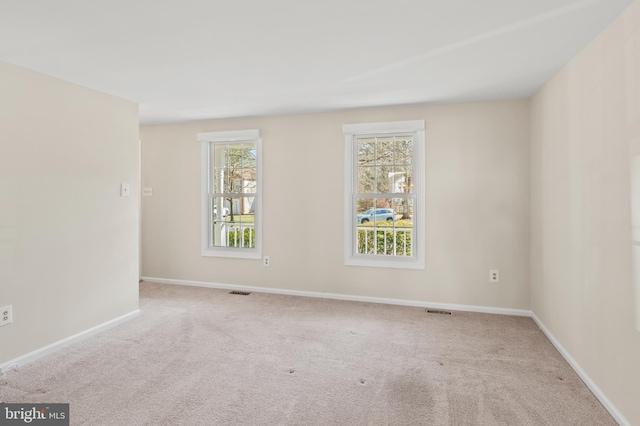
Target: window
(231, 194)
(384, 200)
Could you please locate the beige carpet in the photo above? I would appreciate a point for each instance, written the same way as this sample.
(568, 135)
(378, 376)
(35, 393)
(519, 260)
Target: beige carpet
(200, 356)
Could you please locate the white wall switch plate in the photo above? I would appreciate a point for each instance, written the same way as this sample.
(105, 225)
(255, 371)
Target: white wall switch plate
(494, 276)
(124, 189)
(147, 192)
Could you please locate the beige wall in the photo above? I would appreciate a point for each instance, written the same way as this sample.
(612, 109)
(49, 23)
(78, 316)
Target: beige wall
(477, 198)
(68, 242)
(585, 129)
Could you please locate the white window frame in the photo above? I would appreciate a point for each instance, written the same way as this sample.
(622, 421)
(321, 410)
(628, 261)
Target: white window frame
(351, 133)
(232, 136)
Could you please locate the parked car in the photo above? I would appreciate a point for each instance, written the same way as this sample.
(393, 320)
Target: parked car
(225, 211)
(380, 214)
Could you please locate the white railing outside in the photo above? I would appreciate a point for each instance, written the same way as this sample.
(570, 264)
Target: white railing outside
(234, 231)
(397, 245)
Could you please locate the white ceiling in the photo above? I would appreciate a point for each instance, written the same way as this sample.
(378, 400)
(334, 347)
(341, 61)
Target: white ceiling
(197, 59)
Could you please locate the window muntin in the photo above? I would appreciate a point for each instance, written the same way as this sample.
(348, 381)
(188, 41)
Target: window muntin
(231, 194)
(383, 190)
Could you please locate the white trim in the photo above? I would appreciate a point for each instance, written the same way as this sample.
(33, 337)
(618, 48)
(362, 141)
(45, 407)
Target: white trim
(349, 297)
(56, 346)
(608, 405)
(383, 262)
(349, 212)
(229, 136)
(388, 127)
(204, 196)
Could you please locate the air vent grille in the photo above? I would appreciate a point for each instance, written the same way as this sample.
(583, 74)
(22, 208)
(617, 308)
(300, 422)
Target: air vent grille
(435, 311)
(241, 293)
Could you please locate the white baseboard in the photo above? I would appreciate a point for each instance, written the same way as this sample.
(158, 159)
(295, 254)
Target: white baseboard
(39, 353)
(615, 413)
(352, 298)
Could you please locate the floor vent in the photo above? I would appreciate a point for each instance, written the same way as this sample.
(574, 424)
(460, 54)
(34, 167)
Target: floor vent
(241, 293)
(433, 311)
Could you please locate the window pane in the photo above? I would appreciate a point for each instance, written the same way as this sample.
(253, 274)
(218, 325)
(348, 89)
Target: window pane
(384, 179)
(362, 205)
(248, 208)
(218, 162)
(403, 179)
(364, 210)
(248, 181)
(241, 233)
(366, 151)
(249, 156)
(219, 214)
(236, 182)
(234, 157)
(384, 150)
(366, 179)
(404, 150)
(384, 210)
(365, 240)
(220, 153)
(404, 209)
(371, 210)
(220, 180)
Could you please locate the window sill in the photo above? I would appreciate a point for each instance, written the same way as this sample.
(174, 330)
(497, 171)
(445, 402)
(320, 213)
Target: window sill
(385, 263)
(228, 252)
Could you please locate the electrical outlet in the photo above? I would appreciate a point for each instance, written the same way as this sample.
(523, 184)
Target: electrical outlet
(494, 276)
(266, 261)
(147, 192)
(6, 316)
